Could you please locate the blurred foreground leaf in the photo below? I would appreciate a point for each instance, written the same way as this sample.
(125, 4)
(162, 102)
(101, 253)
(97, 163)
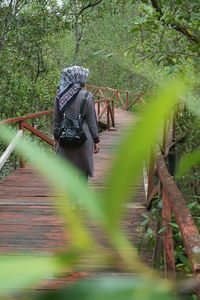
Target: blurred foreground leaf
(114, 288)
(187, 162)
(134, 149)
(66, 182)
(25, 271)
(61, 175)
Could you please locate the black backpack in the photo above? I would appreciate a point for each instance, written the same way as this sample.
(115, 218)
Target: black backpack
(71, 132)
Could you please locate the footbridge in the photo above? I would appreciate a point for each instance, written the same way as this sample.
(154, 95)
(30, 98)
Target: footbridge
(28, 219)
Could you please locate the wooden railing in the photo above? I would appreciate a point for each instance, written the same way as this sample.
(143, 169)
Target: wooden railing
(172, 203)
(23, 124)
(10, 149)
(121, 98)
(105, 116)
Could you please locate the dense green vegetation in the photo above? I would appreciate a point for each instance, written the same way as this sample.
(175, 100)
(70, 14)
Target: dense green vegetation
(127, 44)
(132, 45)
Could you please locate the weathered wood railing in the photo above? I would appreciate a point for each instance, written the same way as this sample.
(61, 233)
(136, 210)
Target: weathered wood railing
(23, 124)
(172, 202)
(122, 98)
(106, 100)
(10, 149)
(105, 115)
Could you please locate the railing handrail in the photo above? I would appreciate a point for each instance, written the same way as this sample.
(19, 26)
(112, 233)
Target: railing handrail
(105, 105)
(4, 157)
(42, 113)
(105, 98)
(172, 201)
(119, 96)
(188, 229)
(116, 90)
(26, 117)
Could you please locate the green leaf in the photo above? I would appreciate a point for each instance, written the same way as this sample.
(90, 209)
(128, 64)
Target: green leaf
(187, 162)
(174, 225)
(66, 182)
(134, 148)
(162, 229)
(191, 204)
(109, 55)
(99, 51)
(144, 216)
(62, 174)
(183, 259)
(24, 271)
(144, 223)
(110, 288)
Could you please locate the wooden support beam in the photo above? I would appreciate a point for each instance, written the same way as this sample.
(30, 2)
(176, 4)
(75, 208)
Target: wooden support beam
(39, 134)
(188, 229)
(168, 247)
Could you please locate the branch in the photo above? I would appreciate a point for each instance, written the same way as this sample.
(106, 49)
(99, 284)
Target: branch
(171, 53)
(13, 10)
(88, 6)
(40, 64)
(175, 25)
(185, 32)
(155, 5)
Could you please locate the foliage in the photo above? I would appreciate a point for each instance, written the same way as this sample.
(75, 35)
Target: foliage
(24, 59)
(111, 289)
(133, 45)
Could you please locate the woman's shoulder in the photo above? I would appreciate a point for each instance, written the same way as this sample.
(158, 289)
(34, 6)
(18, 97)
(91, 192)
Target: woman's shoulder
(86, 93)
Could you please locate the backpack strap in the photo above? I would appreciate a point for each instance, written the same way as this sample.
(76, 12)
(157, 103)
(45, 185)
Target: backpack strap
(82, 105)
(83, 102)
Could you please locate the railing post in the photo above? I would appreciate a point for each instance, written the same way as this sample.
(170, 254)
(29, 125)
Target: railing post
(126, 100)
(108, 115)
(151, 174)
(168, 247)
(22, 162)
(98, 108)
(113, 113)
(117, 99)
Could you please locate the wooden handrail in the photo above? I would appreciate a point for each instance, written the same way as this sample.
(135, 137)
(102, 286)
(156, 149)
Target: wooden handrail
(10, 148)
(188, 229)
(126, 103)
(173, 201)
(104, 101)
(113, 90)
(27, 117)
(39, 133)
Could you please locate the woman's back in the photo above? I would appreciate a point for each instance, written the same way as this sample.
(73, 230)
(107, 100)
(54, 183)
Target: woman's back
(82, 156)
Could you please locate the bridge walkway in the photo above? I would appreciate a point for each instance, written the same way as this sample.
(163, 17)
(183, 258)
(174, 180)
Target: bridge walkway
(28, 220)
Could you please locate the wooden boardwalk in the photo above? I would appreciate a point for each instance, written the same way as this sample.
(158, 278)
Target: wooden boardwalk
(28, 222)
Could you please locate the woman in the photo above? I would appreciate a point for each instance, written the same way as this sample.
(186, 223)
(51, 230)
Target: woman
(70, 94)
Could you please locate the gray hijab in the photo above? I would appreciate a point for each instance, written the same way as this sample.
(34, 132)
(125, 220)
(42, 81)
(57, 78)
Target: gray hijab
(71, 82)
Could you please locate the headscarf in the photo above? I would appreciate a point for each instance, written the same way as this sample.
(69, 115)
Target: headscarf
(71, 82)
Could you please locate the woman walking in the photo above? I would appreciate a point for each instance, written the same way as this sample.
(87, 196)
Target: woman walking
(71, 98)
